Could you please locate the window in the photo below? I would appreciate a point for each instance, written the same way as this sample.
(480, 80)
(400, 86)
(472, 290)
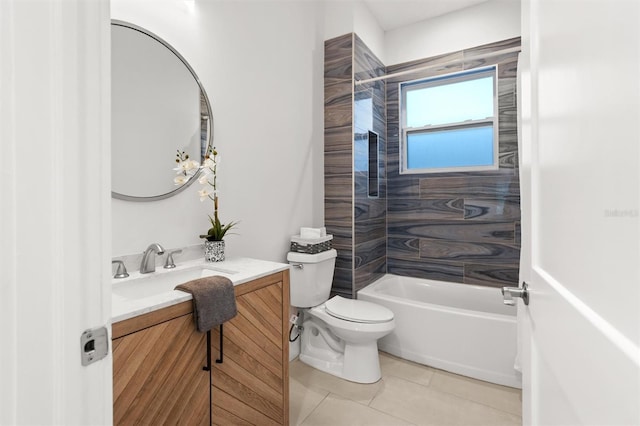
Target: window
(449, 123)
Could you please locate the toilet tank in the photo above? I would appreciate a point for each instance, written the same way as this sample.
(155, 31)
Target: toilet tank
(311, 277)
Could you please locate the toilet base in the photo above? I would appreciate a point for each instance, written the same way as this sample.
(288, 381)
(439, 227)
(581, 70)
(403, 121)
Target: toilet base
(322, 350)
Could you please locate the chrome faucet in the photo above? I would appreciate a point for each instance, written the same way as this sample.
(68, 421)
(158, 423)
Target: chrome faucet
(148, 263)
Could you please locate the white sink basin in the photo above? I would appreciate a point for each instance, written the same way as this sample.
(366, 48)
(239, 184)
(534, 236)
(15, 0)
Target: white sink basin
(140, 286)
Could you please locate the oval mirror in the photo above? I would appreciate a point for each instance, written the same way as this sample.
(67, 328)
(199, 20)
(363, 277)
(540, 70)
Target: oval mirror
(158, 107)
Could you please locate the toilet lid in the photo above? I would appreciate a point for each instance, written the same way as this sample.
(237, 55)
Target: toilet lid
(357, 310)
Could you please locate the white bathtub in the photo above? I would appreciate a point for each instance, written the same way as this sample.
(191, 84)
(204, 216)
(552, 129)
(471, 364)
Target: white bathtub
(461, 328)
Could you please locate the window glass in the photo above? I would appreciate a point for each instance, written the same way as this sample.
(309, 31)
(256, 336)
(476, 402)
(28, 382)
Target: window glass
(450, 103)
(471, 146)
(449, 123)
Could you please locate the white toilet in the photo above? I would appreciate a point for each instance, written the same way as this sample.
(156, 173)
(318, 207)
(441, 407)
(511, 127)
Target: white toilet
(339, 336)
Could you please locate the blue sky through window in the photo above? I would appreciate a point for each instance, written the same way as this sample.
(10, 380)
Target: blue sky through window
(450, 103)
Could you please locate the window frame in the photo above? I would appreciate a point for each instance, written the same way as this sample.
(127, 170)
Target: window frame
(442, 80)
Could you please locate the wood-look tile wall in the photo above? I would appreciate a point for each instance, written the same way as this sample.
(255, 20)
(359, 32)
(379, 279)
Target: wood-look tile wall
(459, 227)
(357, 221)
(338, 157)
(370, 214)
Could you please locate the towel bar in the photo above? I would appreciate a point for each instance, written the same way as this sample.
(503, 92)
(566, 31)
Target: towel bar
(219, 360)
(208, 366)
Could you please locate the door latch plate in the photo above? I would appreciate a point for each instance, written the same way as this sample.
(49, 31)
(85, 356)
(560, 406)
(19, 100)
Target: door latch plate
(94, 345)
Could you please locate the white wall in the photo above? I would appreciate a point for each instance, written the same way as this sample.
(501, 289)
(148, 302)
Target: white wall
(343, 17)
(487, 22)
(261, 64)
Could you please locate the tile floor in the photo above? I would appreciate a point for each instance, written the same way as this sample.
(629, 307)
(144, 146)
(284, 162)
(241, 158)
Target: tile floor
(407, 394)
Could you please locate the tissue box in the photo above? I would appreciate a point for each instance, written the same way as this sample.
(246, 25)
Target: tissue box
(311, 245)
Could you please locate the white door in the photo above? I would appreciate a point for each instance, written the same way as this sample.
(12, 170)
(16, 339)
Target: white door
(54, 210)
(580, 118)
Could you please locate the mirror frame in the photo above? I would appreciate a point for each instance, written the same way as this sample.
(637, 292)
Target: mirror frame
(193, 178)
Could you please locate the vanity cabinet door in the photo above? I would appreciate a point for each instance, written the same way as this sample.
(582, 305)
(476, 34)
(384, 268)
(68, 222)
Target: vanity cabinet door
(251, 385)
(157, 370)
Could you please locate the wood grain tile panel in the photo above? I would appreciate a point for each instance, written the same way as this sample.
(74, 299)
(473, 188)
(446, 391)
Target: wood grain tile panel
(507, 93)
(491, 275)
(469, 252)
(338, 104)
(342, 232)
(338, 60)
(338, 210)
(507, 64)
(508, 160)
(477, 187)
(369, 209)
(442, 271)
(338, 162)
(403, 248)
(425, 209)
(369, 252)
(368, 230)
(473, 52)
(492, 209)
(338, 186)
(342, 282)
(455, 230)
(418, 63)
(404, 187)
(360, 185)
(338, 138)
(344, 258)
(369, 273)
(508, 67)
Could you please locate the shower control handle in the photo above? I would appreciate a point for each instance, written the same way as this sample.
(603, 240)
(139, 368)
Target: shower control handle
(509, 293)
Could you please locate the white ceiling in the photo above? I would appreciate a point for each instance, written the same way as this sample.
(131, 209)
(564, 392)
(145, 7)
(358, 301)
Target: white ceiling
(393, 14)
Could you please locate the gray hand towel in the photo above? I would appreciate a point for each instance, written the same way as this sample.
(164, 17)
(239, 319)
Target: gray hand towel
(214, 301)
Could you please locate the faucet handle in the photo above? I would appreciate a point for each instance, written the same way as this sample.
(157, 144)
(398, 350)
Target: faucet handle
(121, 271)
(169, 263)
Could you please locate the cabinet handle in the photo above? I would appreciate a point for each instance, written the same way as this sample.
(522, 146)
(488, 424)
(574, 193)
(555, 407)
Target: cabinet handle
(219, 360)
(208, 366)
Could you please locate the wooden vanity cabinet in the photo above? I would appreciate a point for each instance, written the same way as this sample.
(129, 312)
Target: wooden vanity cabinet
(251, 385)
(157, 369)
(158, 358)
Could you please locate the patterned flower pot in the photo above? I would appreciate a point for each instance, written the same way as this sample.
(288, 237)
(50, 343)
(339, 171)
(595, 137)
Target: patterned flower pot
(214, 251)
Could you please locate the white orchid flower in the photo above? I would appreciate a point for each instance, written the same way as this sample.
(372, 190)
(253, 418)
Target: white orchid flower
(209, 163)
(186, 167)
(194, 165)
(204, 194)
(204, 179)
(180, 180)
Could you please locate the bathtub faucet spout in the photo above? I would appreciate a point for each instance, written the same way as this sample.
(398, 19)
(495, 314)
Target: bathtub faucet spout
(509, 293)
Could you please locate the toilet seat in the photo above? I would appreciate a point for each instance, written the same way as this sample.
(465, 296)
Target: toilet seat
(357, 310)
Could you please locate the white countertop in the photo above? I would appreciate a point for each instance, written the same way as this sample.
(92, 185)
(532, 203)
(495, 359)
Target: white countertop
(142, 293)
